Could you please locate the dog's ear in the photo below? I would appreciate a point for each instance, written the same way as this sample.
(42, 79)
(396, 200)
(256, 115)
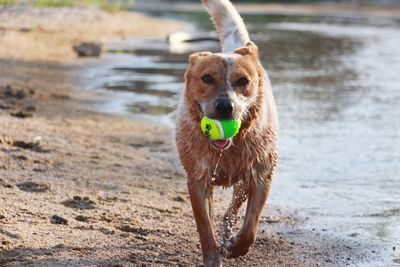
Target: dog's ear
(249, 49)
(196, 56)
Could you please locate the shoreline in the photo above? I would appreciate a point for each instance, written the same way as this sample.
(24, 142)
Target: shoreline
(24, 30)
(115, 181)
(316, 9)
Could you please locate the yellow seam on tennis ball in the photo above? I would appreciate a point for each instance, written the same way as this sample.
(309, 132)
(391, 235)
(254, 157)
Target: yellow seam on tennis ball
(220, 128)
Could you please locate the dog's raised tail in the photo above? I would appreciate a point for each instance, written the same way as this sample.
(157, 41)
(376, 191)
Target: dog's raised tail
(230, 27)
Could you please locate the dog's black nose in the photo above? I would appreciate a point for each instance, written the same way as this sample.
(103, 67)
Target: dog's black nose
(224, 108)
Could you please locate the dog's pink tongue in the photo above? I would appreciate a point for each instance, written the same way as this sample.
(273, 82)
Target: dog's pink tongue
(221, 143)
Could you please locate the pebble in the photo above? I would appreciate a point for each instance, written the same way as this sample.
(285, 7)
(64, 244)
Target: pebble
(55, 219)
(88, 49)
(59, 246)
(179, 199)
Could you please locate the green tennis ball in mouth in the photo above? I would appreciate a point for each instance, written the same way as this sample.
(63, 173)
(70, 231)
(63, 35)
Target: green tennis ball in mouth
(220, 129)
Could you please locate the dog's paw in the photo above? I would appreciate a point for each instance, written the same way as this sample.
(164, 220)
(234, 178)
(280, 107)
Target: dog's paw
(235, 247)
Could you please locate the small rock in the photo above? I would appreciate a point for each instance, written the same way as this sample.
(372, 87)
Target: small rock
(353, 234)
(34, 145)
(107, 217)
(82, 218)
(88, 49)
(272, 219)
(30, 108)
(21, 114)
(59, 246)
(4, 106)
(18, 93)
(107, 231)
(21, 157)
(55, 219)
(179, 199)
(136, 230)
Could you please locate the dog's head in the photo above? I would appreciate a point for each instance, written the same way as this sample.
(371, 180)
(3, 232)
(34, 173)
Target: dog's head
(223, 85)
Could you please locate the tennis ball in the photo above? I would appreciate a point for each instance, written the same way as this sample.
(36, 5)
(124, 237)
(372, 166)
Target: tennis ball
(219, 129)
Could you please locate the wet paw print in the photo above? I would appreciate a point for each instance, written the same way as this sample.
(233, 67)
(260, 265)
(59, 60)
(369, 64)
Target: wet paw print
(81, 203)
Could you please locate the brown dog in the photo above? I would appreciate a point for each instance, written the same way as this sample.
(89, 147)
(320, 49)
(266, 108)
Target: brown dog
(231, 84)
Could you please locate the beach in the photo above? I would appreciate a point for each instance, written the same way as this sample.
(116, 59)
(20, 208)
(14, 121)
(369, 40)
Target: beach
(80, 187)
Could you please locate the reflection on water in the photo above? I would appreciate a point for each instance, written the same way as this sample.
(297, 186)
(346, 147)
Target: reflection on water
(337, 87)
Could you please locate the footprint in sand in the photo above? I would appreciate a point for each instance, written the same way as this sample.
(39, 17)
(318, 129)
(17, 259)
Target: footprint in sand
(82, 203)
(33, 187)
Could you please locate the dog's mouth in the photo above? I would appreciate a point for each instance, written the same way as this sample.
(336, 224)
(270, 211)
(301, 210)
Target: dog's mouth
(222, 144)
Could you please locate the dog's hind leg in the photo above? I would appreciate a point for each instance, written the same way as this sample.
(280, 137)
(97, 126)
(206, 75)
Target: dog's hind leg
(239, 196)
(200, 197)
(239, 244)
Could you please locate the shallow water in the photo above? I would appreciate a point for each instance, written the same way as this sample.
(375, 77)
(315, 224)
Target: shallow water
(337, 85)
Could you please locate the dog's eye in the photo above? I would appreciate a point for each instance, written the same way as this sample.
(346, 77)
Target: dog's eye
(207, 79)
(242, 81)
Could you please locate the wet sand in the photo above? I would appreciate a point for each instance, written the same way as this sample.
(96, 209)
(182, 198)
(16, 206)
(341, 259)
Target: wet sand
(79, 187)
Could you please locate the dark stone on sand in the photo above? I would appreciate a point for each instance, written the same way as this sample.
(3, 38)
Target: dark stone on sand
(9, 91)
(55, 219)
(88, 49)
(4, 106)
(59, 246)
(81, 218)
(38, 170)
(33, 187)
(179, 199)
(34, 145)
(135, 230)
(30, 108)
(21, 114)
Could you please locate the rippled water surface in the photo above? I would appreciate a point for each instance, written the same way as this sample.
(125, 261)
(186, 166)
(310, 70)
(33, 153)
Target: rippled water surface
(337, 86)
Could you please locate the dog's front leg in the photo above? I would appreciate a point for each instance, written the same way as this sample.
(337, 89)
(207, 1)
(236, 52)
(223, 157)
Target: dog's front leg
(239, 196)
(257, 195)
(200, 197)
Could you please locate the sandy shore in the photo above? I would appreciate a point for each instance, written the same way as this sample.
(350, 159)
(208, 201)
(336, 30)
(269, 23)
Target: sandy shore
(48, 34)
(80, 188)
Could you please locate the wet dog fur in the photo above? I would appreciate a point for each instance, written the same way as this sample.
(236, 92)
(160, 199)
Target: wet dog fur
(234, 76)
